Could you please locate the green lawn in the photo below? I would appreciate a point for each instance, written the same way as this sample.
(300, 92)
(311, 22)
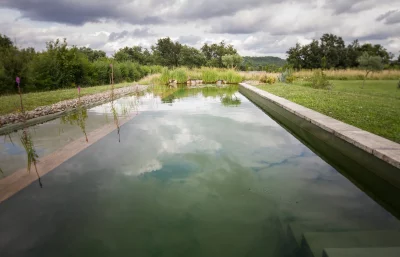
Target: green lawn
(375, 108)
(10, 103)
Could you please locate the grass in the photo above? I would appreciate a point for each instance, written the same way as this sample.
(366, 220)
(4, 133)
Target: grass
(10, 103)
(375, 108)
(352, 74)
(182, 75)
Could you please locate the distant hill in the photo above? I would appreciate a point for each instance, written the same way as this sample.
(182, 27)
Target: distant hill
(264, 60)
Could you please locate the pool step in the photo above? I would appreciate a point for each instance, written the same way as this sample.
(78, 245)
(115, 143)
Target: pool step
(362, 252)
(313, 243)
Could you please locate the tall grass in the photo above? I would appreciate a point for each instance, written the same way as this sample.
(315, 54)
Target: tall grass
(351, 74)
(231, 76)
(209, 75)
(180, 75)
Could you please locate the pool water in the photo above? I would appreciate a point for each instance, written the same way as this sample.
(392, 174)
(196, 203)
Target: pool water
(199, 172)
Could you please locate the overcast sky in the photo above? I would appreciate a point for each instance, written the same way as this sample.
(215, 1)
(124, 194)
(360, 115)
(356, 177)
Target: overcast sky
(254, 27)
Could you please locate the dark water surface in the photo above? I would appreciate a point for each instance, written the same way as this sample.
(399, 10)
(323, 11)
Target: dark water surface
(197, 173)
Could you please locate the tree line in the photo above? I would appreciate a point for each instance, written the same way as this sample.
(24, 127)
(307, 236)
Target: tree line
(331, 52)
(64, 66)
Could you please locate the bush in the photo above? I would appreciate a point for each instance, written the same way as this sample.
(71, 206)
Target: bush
(268, 79)
(319, 80)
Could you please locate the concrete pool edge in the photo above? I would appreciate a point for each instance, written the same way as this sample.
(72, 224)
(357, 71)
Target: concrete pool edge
(377, 146)
(373, 175)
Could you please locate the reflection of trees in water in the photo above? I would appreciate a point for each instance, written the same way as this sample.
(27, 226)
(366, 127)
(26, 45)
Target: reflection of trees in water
(226, 94)
(77, 117)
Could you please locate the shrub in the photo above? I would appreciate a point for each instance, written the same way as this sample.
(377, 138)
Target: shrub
(268, 79)
(319, 80)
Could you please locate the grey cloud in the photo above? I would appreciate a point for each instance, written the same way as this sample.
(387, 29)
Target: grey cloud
(353, 6)
(210, 8)
(390, 17)
(79, 12)
(139, 32)
(189, 40)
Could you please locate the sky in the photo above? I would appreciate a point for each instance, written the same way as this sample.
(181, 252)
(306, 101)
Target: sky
(253, 27)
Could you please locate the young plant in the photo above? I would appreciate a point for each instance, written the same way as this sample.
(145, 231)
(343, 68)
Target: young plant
(369, 64)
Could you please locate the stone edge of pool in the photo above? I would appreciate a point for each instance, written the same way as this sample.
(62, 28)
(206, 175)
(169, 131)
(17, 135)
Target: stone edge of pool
(363, 162)
(377, 146)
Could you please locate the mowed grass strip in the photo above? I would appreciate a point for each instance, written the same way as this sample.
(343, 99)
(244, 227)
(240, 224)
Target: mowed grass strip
(10, 103)
(375, 108)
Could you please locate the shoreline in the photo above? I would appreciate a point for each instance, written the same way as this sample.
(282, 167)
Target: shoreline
(13, 121)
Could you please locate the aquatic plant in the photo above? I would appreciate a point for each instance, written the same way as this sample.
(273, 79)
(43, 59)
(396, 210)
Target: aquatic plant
(179, 75)
(228, 100)
(26, 139)
(113, 110)
(209, 75)
(77, 117)
(164, 77)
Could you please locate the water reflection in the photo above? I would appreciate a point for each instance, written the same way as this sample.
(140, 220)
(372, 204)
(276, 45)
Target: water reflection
(225, 94)
(200, 176)
(78, 118)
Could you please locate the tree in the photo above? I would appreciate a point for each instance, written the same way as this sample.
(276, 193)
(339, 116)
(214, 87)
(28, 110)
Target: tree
(294, 56)
(214, 53)
(191, 57)
(333, 48)
(370, 64)
(167, 52)
(91, 54)
(232, 60)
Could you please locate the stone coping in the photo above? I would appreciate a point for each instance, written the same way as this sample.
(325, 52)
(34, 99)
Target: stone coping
(380, 147)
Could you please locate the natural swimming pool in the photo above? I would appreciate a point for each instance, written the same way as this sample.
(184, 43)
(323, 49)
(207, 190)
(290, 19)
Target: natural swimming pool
(196, 173)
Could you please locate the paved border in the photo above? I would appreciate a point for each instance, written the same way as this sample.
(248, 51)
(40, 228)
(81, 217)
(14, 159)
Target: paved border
(380, 147)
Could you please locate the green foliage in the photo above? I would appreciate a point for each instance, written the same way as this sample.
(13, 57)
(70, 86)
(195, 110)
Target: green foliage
(179, 75)
(166, 52)
(62, 66)
(230, 76)
(214, 53)
(209, 75)
(330, 52)
(370, 63)
(262, 63)
(319, 80)
(165, 76)
(232, 60)
(398, 85)
(191, 57)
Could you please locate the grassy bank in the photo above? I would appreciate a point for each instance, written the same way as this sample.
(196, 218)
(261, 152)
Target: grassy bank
(10, 103)
(375, 108)
(352, 74)
(181, 75)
